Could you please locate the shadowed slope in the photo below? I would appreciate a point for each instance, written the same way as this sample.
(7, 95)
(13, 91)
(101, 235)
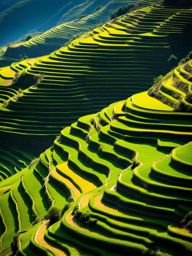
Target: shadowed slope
(80, 18)
(175, 89)
(83, 76)
(120, 184)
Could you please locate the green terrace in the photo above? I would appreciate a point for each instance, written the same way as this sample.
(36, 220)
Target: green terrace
(121, 179)
(176, 88)
(82, 77)
(79, 22)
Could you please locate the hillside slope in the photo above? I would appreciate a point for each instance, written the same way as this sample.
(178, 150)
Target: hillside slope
(117, 59)
(21, 16)
(122, 179)
(175, 89)
(79, 18)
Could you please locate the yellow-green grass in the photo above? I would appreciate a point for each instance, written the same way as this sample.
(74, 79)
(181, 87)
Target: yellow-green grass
(175, 88)
(12, 161)
(82, 77)
(67, 30)
(118, 177)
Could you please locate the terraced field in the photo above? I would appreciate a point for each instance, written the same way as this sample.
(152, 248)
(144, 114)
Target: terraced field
(176, 88)
(117, 179)
(80, 18)
(82, 77)
(121, 180)
(21, 11)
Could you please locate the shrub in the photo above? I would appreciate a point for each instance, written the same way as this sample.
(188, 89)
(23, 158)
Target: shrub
(15, 244)
(188, 250)
(187, 58)
(35, 219)
(83, 216)
(53, 214)
(134, 164)
(157, 79)
(121, 11)
(70, 199)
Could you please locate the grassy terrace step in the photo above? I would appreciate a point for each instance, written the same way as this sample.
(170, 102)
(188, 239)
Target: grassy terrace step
(84, 20)
(121, 178)
(142, 177)
(163, 170)
(182, 155)
(105, 242)
(12, 161)
(175, 88)
(129, 204)
(157, 211)
(102, 209)
(92, 64)
(128, 186)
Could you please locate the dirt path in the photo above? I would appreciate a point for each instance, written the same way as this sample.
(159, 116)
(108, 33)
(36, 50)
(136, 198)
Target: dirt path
(40, 240)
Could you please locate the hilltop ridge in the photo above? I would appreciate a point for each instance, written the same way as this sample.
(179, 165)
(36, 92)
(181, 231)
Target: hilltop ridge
(129, 52)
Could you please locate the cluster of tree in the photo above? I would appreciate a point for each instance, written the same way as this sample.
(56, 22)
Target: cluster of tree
(121, 11)
(53, 215)
(85, 217)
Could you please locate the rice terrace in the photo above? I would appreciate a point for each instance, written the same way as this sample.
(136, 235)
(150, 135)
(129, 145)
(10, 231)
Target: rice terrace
(96, 128)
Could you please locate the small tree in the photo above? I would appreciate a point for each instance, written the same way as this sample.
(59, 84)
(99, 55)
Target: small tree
(134, 164)
(158, 79)
(53, 214)
(15, 244)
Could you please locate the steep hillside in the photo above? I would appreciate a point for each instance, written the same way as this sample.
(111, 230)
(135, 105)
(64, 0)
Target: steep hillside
(6, 4)
(17, 17)
(113, 183)
(12, 161)
(20, 15)
(175, 89)
(79, 18)
(117, 59)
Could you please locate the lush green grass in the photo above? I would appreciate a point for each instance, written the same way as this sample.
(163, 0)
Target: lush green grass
(121, 187)
(82, 77)
(78, 18)
(120, 178)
